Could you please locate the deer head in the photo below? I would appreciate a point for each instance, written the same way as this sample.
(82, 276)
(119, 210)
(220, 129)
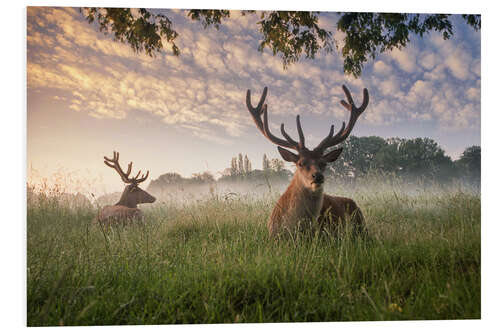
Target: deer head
(310, 163)
(132, 195)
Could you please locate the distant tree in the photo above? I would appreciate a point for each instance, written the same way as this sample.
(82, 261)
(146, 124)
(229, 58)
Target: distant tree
(266, 165)
(170, 178)
(226, 172)
(420, 157)
(424, 157)
(203, 177)
(358, 156)
(388, 158)
(165, 180)
(234, 166)
(241, 168)
(277, 165)
(288, 34)
(469, 164)
(247, 165)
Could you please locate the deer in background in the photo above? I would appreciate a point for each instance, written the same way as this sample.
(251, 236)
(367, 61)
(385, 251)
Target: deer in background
(125, 209)
(304, 206)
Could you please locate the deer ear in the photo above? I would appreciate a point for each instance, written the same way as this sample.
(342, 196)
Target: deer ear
(332, 156)
(288, 155)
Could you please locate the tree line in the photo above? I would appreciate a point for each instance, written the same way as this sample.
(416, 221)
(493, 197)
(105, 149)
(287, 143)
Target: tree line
(241, 169)
(420, 158)
(411, 159)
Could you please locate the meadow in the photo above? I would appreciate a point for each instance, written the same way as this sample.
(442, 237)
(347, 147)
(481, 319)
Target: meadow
(210, 260)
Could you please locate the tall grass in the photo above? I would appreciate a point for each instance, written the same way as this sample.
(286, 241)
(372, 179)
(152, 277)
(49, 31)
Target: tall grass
(211, 261)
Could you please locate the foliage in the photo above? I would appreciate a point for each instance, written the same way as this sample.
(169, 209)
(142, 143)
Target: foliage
(171, 179)
(469, 164)
(420, 158)
(203, 177)
(143, 32)
(247, 165)
(293, 34)
(273, 170)
(357, 156)
(288, 34)
(234, 167)
(266, 164)
(369, 34)
(209, 17)
(241, 169)
(424, 157)
(277, 164)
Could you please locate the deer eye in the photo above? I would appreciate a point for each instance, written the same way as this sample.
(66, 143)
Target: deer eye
(322, 165)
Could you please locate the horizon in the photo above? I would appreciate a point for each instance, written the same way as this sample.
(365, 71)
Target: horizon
(89, 95)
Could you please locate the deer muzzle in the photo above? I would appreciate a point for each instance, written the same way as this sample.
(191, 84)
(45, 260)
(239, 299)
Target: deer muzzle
(318, 178)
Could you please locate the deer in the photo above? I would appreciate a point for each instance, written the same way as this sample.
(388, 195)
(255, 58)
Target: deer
(304, 205)
(126, 208)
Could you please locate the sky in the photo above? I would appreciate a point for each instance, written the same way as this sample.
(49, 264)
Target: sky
(89, 95)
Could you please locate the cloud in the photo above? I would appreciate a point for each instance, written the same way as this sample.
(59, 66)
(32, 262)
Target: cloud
(420, 91)
(452, 112)
(388, 87)
(427, 60)
(437, 74)
(381, 67)
(204, 89)
(473, 94)
(476, 67)
(405, 58)
(458, 63)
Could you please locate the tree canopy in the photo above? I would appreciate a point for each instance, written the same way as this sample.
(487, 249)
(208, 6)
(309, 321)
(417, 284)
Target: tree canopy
(288, 34)
(419, 158)
(470, 164)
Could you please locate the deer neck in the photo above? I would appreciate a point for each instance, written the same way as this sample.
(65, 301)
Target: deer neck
(125, 200)
(307, 202)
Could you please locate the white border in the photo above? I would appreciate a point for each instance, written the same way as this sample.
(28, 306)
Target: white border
(13, 241)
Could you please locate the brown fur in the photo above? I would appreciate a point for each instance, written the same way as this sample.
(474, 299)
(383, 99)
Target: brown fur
(337, 210)
(118, 213)
(304, 206)
(126, 209)
(295, 208)
(299, 208)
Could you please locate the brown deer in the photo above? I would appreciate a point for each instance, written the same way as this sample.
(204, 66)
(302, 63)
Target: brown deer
(125, 209)
(304, 206)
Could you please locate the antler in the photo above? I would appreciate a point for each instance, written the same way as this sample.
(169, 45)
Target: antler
(264, 126)
(113, 163)
(331, 140)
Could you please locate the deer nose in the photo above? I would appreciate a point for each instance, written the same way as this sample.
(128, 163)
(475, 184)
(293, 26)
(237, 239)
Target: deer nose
(318, 177)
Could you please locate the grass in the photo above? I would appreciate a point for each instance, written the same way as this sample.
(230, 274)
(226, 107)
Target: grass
(211, 261)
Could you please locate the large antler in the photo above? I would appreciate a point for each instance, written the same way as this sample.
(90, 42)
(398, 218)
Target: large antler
(264, 126)
(113, 163)
(331, 140)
